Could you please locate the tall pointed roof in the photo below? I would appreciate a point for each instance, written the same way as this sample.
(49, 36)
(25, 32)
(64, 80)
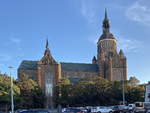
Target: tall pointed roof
(94, 58)
(46, 43)
(106, 28)
(47, 58)
(105, 13)
(47, 50)
(106, 24)
(121, 52)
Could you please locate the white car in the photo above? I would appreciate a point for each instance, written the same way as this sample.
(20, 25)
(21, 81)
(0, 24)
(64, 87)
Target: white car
(131, 107)
(100, 109)
(93, 109)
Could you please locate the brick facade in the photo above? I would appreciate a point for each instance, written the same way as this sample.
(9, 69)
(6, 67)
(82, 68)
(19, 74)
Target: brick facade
(108, 64)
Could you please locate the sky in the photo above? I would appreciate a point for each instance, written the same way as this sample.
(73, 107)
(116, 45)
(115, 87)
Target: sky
(73, 28)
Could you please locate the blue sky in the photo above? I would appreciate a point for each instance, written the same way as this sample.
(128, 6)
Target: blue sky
(73, 27)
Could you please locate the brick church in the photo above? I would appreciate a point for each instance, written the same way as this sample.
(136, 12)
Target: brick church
(109, 64)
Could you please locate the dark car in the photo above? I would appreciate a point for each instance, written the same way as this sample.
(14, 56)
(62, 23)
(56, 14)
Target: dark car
(73, 110)
(33, 111)
(120, 109)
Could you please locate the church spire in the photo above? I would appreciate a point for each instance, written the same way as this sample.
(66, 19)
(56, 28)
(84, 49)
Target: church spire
(105, 13)
(106, 24)
(47, 58)
(47, 51)
(46, 43)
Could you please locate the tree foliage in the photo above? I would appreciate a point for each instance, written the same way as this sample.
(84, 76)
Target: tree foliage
(31, 95)
(27, 93)
(133, 81)
(90, 91)
(97, 91)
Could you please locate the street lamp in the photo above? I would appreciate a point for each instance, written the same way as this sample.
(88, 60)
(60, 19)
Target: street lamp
(123, 93)
(123, 90)
(12, 97)
(59, 94)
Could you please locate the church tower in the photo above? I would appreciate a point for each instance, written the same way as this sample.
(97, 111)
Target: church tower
(48, 75)
(112, 65)
(107, 43)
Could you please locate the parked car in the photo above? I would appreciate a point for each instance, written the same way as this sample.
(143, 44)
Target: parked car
(93, 109)
(120, 109)
(33, 111)
(88, 108)
(139, 107)
(147, 106)
(142, 107)
(131, 107)
(101, 109)
(84, 110)
(73, 110)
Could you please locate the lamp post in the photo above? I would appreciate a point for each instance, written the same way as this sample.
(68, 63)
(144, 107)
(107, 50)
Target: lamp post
(59, 94)
(12, 97)
(123, 93)
(123, 90)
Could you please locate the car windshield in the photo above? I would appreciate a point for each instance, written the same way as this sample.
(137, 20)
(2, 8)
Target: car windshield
(115, 107)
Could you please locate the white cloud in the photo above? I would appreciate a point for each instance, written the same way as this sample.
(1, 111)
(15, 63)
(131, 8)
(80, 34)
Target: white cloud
(15, 40)
(139, 11)
(128, 45)
(88, 11)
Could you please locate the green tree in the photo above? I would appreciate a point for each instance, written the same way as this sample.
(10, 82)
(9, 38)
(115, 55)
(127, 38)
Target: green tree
(61, 91)
(135, 94)
(133, 81)
(5, 91)
(97, 91)
(31, 96)
(89, 91)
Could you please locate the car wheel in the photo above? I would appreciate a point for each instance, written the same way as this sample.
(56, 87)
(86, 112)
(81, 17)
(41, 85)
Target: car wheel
(110, 111)
(98, 112)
